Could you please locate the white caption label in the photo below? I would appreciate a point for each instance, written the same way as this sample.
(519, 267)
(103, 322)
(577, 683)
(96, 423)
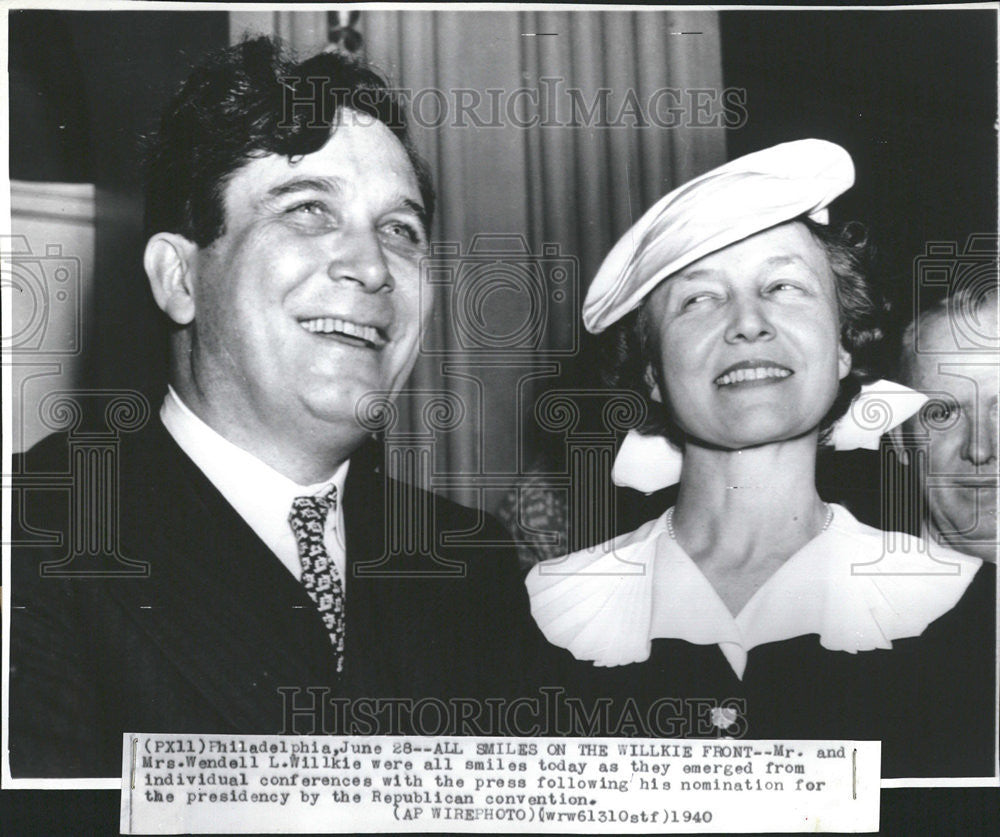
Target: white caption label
(285, 784)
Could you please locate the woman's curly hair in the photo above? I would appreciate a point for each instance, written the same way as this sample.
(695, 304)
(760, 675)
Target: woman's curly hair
(630, 348)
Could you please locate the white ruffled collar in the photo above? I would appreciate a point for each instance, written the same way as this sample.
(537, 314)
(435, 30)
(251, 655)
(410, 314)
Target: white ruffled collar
(608, 603)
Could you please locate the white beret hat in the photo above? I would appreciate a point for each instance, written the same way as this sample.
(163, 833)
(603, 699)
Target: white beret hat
(719, 208)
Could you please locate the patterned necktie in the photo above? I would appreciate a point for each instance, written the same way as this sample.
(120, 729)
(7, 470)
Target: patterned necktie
(319, 572)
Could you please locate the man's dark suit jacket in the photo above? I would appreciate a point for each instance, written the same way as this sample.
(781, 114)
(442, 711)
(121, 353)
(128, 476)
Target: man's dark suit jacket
(205, 642)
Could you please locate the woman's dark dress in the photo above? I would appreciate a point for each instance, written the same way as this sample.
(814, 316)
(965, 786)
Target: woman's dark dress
(930, 699)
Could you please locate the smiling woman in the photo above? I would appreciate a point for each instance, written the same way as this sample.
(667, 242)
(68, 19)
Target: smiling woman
(752, 325)
(748, 337)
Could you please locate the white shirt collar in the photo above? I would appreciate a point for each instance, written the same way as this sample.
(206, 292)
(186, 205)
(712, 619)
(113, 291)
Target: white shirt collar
(608, 603)
(262, 496)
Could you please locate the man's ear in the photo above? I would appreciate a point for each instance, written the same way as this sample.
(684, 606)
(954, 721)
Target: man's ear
(654, 385)
(170, 261)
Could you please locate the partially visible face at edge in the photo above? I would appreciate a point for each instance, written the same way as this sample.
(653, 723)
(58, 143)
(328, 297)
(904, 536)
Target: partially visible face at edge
(749, 340)
(959, 425)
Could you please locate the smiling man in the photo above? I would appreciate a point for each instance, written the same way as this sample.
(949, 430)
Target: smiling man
(307, 301)
(287, 216)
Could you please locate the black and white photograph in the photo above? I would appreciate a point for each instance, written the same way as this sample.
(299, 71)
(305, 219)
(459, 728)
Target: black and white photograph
(537, 373)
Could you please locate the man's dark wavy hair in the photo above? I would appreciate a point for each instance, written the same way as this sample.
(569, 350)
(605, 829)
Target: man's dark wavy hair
(631, 347)
(248, 101)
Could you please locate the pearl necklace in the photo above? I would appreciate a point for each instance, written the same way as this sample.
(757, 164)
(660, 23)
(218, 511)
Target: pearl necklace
(670, 520)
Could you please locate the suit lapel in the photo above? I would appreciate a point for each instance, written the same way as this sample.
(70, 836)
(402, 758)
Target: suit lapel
(381, 643)
(398, 633)
(218, 603)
